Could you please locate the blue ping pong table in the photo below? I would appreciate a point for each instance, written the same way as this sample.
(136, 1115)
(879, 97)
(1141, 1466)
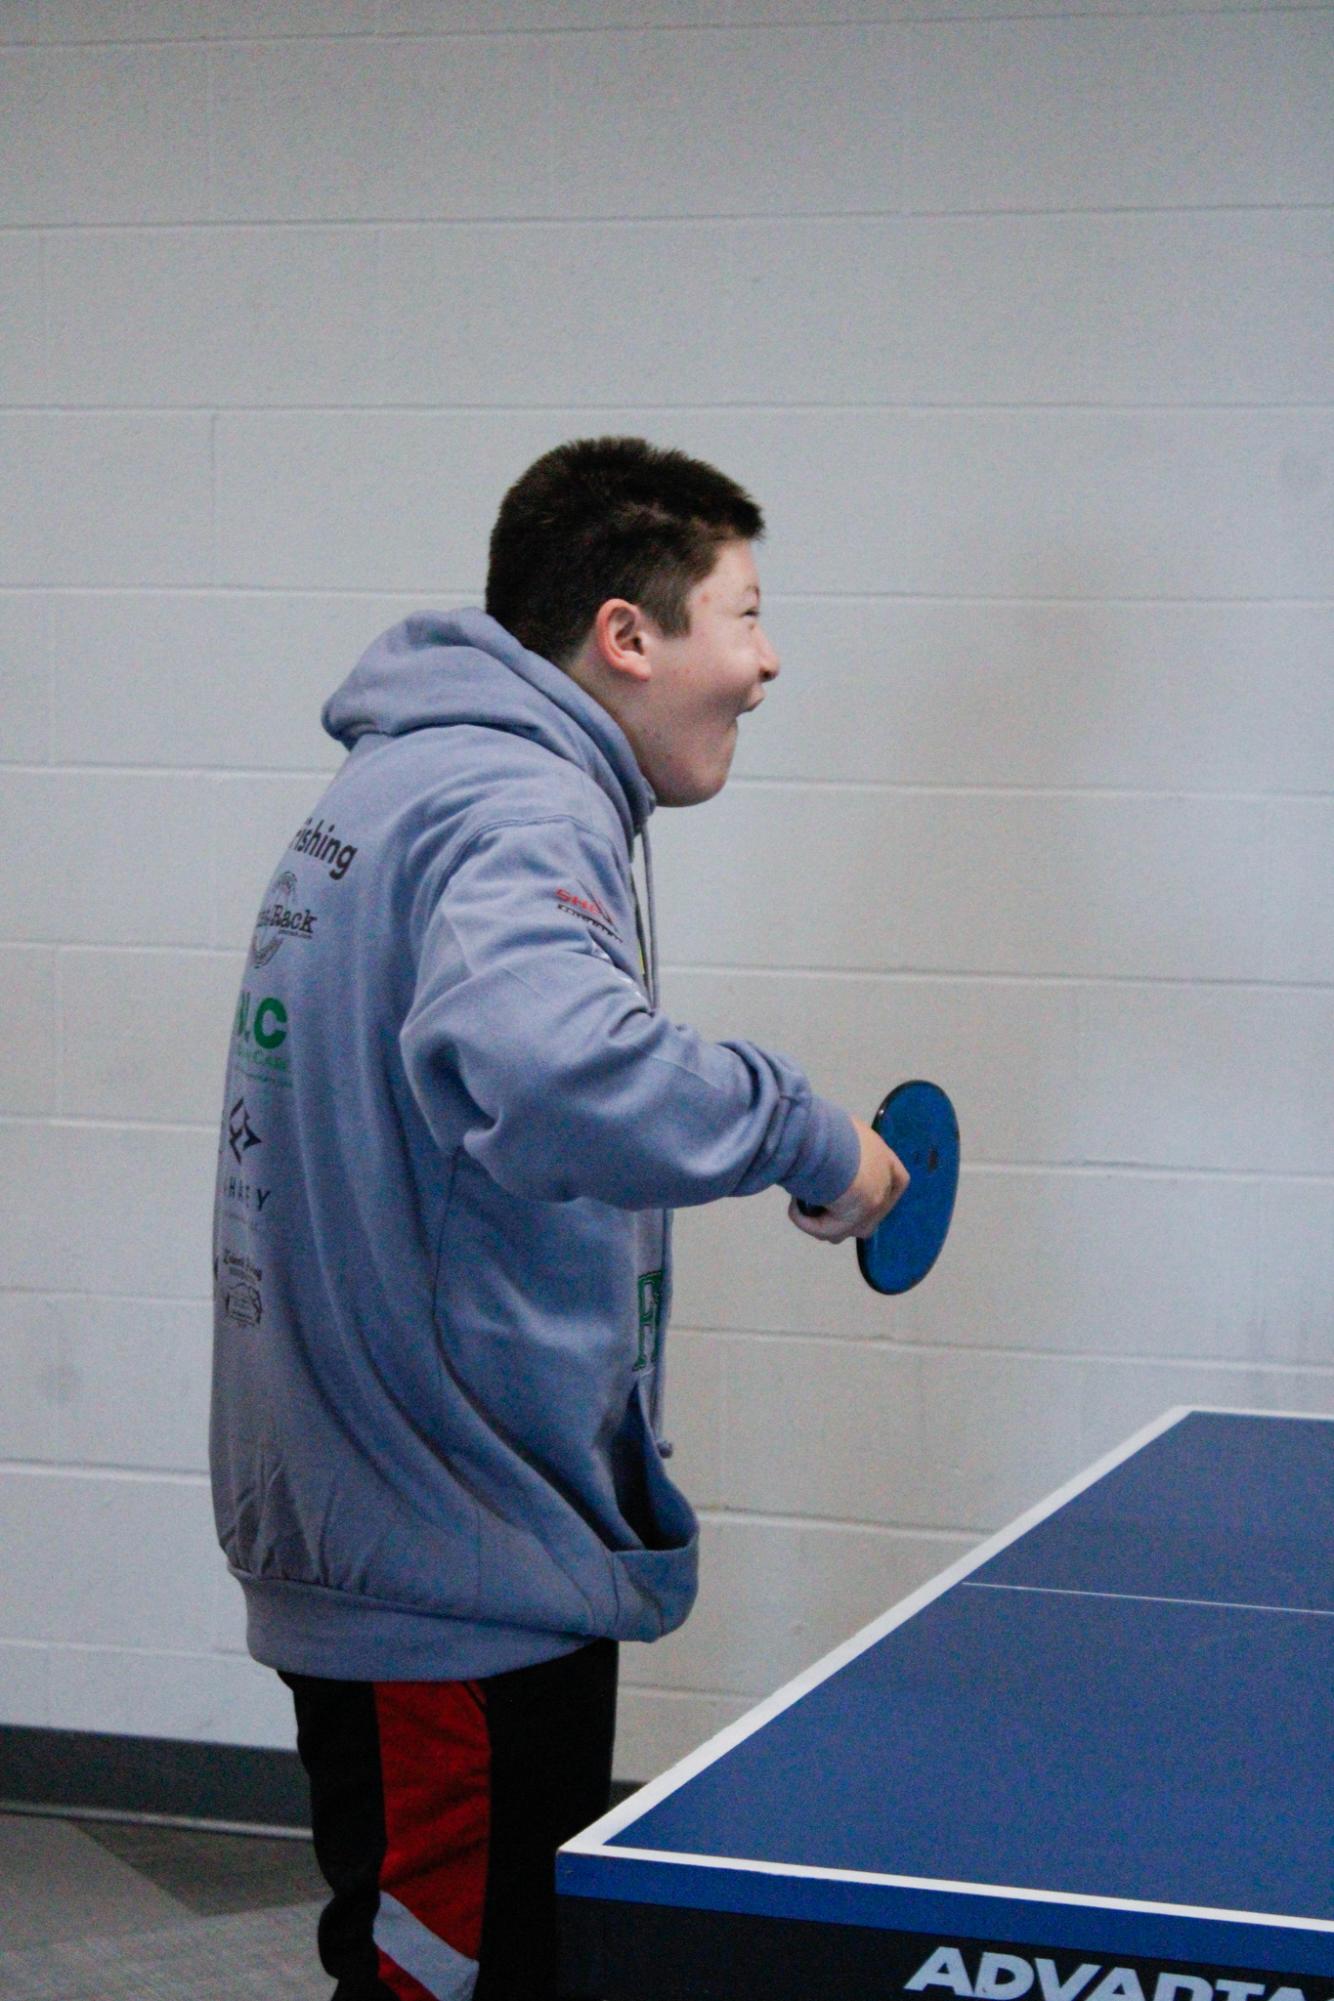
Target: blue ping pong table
(1094, 1761)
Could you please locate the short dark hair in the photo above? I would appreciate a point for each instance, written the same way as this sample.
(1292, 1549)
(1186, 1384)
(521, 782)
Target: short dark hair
(601, 518)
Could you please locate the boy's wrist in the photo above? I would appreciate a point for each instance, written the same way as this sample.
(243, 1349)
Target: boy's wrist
(829, 1156)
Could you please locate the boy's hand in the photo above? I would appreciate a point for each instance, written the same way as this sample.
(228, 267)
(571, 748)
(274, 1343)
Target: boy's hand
(877, 1185)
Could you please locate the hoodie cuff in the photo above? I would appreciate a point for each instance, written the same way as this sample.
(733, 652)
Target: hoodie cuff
(829, 1157)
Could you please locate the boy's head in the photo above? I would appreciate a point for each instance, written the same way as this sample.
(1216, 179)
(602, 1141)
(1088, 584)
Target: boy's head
(603, 518)
(631, 568)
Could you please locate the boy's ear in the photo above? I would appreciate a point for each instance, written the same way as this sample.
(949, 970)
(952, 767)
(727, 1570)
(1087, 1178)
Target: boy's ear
(620, 634)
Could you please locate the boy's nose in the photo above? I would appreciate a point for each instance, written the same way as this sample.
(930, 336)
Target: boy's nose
(768, 659)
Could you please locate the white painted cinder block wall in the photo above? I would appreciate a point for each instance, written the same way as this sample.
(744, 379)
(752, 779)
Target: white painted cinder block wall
(1017, 321)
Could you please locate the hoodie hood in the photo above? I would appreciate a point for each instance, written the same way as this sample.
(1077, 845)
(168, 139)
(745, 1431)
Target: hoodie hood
(434, 669)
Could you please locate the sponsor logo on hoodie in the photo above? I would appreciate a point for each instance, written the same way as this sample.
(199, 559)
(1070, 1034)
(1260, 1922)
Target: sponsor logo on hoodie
(590, 910)
(238, 1191)
(324, 844)
(279, 920)
(239, 1293)
(241, 1135)
(259, 1033)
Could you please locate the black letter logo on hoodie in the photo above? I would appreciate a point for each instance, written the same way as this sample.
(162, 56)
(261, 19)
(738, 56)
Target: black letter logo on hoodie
(278, 920)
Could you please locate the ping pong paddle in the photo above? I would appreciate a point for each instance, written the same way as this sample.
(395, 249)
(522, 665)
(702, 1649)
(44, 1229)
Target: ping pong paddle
(918, 1123)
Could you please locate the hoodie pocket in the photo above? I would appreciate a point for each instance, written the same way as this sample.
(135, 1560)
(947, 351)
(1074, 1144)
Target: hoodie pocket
(656, 1585)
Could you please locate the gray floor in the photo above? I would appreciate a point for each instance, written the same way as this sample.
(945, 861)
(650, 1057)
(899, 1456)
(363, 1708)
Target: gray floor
(114, 1911)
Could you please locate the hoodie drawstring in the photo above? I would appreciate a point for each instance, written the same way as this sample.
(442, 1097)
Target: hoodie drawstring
(652, 919)
(648, 952)
(648, 941)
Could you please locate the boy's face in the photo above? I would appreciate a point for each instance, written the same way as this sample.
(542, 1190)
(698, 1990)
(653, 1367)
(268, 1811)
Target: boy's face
(684, 721)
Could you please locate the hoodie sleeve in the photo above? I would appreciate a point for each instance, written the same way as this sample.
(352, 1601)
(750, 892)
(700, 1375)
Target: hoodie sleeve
(579, 1088)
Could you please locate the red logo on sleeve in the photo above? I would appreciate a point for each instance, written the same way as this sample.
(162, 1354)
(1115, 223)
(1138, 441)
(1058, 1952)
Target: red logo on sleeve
(590, 910)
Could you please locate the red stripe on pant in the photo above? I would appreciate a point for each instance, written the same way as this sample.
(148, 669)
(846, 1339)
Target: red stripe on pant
(435, 1758)
(401, 1984)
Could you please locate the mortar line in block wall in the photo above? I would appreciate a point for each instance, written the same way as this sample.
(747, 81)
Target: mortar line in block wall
(630, 24)
(157, 1476)
(472, 594)
(891, 1347)
(765, 407)
(950, 976)
(741, 783)
(669, 218)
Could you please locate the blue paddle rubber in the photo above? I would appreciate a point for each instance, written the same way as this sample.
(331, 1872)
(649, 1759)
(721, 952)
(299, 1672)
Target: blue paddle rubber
(918, 1123)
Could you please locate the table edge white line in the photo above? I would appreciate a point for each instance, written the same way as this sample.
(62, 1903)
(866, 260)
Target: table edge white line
(1148, 1598)
(1066, 1899)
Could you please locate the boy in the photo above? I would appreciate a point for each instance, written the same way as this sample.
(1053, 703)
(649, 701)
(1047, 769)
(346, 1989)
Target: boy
(456, 1124)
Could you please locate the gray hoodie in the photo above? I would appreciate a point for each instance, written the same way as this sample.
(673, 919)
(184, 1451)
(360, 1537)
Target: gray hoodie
(454, 1119)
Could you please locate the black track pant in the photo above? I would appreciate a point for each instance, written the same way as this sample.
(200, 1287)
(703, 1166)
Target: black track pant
(437, 1809)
